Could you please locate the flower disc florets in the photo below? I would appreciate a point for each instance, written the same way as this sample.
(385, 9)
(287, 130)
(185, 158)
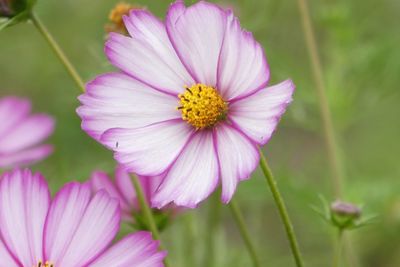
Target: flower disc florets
(202, 106)
(46, 264)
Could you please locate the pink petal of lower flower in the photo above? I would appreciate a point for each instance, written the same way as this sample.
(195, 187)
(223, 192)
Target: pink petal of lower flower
(24, 202)
(100, 180)
(138, 250)
(242, 67)
(197, 33)
(258, 115)
(124, 184)
(193, 176)
(148, 150)
(116, 100)
(28, 132)
(25, 157)
(64, 217)
(96, 230)
(12, 111)
(238, 157)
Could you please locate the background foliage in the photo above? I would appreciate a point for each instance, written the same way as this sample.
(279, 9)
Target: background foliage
(359, 45)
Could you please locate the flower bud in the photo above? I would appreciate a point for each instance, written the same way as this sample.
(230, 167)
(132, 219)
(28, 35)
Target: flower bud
(116, 23)
(14, 11)
(6, 9)
(344, 214)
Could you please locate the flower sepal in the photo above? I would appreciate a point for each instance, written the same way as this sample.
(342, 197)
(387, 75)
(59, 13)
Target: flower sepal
(162, 219)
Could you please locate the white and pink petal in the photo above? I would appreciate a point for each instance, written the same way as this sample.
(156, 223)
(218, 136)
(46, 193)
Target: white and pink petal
(242, 67)
(25, 157)
(258, 114)
(197, 33)
(193, 176)
(148, 150)
(138, 250)
(115, 100)
(238, 157)
(24, 203)
(147, 55)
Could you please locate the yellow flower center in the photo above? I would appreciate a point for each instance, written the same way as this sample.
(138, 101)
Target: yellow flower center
(46, 264)
(202, 106)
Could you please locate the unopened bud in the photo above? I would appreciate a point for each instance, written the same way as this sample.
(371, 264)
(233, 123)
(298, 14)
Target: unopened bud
(6, 8)
(344, 214)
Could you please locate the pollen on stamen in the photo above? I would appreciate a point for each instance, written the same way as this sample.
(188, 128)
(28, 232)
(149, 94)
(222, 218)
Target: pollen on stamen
(202, 106)
(46, 264)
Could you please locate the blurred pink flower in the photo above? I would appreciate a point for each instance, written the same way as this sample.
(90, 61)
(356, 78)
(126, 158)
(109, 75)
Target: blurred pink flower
(122, 189)
(21, 133)
(74, 229)
(191, 102)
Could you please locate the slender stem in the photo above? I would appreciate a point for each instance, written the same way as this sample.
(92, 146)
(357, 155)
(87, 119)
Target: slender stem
(148, 214)
(190, 240)
(328, 130)
(282, 210)
(237, 215)
(58, 51)
(338, 249)
(212, 226)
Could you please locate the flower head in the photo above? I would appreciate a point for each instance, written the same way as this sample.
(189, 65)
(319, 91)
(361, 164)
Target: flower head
(73, 229)
(191, 102)
(122, 189)
(115, 17)
(21, 132)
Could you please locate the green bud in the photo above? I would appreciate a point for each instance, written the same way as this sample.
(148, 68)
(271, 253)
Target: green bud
(344, 215)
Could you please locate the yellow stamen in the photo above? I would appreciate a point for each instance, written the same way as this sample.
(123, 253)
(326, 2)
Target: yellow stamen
(46, 264)
(202, 106)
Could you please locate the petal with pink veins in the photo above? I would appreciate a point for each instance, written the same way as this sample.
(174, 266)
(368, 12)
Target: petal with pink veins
(238, 157)
(24, 202)
(25, 156)
(65, 214)
(97, 228)
(242, 67)
(197, 34)
(148, 150)
(194, 175)
(115, 100)
(258, 115)
(147, 55)
(5, 256)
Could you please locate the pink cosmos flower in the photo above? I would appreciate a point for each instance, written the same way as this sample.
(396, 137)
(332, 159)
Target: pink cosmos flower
(75, 229)
(191, 102)
(122, 189)
(21, 132)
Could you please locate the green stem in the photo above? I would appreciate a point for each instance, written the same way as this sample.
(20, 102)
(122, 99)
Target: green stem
(148, 214)
(338, 249)
(328, 130)
(237, 215)
(282, 210)
(58, 51)
(212, 226)
(190, 240)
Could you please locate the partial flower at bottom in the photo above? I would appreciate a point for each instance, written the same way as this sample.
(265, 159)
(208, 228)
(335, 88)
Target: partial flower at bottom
(75, 229)
(22, 132)
(191, 101)
(122, 188)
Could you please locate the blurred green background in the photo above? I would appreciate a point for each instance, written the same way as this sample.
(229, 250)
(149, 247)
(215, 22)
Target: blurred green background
(359, 44)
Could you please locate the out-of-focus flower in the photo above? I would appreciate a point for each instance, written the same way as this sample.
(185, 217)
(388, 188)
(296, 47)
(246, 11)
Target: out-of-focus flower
(22, 132)
(73, 229)
(122, 189)
(115, 17)
(15, 11)
(191, 102)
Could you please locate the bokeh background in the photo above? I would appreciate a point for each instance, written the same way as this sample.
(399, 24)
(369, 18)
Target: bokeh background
(359, 44)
